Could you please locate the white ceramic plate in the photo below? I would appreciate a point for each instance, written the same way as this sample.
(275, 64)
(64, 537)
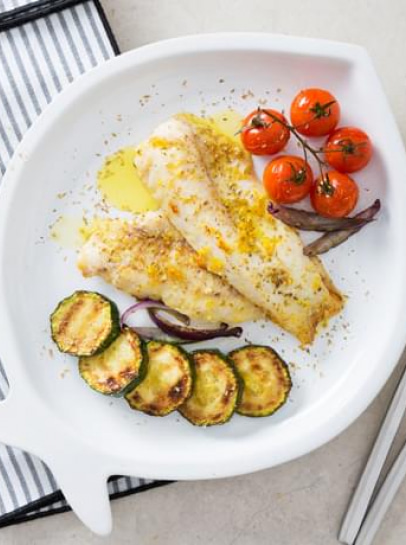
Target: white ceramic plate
(85, 437)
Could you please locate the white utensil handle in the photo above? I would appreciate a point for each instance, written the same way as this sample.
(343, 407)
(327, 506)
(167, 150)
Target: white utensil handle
(383, 500)
(77, 470)
(363, 493)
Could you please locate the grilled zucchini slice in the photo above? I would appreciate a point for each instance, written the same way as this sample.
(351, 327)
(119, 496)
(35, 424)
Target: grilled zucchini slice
(266, 378)
(118, 368)
(216, 390)
(168, 382)
(85, 323)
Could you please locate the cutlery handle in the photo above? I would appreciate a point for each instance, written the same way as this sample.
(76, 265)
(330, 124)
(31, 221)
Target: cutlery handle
(363, 493)
(27, 424)
(383, 500)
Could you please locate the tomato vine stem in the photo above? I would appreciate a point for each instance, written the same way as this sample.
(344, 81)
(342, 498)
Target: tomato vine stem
(306, 147)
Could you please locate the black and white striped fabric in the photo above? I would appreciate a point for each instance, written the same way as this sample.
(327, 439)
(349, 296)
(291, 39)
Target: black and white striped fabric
(44, 46)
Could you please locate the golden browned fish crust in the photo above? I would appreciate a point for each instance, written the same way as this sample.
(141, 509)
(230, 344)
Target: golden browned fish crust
(146, 257)
(205, 183)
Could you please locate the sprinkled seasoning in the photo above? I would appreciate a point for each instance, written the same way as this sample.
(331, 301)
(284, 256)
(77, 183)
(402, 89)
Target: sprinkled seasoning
(247, 94)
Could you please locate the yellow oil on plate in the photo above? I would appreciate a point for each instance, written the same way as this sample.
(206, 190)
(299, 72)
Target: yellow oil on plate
(120, 185)
(68, 232)
(229, 122)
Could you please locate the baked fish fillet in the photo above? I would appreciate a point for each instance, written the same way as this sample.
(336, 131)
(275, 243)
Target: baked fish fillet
(146, 257)
(205, 184)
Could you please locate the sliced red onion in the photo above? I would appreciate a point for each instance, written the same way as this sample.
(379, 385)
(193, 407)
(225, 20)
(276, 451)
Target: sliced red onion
(181, 333)
(191, 333)
(156, 334)
(149, 304)
(330, 240)
(310, 221)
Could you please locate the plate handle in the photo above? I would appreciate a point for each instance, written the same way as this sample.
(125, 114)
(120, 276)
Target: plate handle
(86, 492)
(76, 467)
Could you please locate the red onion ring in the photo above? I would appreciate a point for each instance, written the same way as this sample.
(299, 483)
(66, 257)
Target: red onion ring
(150, 303)
(192, 333)
(177, 331)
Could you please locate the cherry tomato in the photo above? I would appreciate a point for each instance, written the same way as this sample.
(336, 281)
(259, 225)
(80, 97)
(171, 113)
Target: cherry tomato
(334, 195)
(348, 149)
(314, 112)
(287, 179)
(262, 134)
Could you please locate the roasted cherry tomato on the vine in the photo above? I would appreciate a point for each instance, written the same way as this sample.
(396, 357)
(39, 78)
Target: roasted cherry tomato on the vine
(334, 195)
(348, 149)
(287, 179)
(314, 112)
(264, 132)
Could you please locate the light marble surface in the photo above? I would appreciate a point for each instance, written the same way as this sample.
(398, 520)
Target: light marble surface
(301, 502)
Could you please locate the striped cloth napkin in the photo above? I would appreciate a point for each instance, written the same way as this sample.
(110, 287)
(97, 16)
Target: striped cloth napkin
(44, 45)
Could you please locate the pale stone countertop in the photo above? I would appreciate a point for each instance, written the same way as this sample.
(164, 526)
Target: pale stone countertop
(300, 503)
